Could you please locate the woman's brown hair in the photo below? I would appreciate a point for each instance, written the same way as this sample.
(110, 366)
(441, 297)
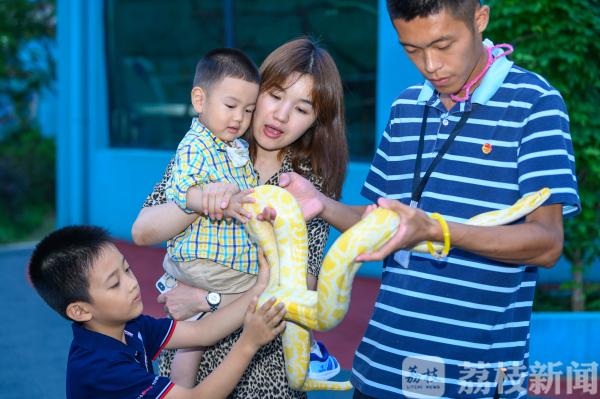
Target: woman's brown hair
(324, 143)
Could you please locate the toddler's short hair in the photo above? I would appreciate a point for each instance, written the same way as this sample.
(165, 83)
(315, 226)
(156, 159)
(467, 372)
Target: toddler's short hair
(222, 63)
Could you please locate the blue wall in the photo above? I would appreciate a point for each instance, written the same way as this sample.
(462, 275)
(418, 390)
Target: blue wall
(564, 337)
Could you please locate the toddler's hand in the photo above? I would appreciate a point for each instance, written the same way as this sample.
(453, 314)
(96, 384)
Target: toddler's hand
(215, 198)
(234, 206)
(262, 325)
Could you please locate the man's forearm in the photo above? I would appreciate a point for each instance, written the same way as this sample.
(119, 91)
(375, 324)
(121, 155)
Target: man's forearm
(339, 215)
(538, 241)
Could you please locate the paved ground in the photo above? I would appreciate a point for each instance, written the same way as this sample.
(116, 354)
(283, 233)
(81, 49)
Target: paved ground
(34, 340)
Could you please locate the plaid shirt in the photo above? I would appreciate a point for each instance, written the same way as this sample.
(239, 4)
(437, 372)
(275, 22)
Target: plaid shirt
(201, 159)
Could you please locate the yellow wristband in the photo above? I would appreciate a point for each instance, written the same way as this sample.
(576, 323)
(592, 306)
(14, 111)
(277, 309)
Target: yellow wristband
(445, 233)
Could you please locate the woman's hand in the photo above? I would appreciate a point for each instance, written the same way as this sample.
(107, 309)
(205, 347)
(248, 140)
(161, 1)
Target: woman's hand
(309, 198)
(267, 215)
(182, 301)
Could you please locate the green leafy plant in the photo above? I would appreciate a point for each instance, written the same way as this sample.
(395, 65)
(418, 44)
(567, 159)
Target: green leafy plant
(27, 159)
(27, 29)
(559, 40)
(27, 183)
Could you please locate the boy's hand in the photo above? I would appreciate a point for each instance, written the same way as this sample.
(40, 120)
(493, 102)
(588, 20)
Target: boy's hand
(262, 325)
(232, 207)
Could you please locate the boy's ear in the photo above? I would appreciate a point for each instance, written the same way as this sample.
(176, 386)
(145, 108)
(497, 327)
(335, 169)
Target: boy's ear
(79, 311)
(198, 99)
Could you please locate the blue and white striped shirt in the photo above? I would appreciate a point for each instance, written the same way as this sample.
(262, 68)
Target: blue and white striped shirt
(470, 312)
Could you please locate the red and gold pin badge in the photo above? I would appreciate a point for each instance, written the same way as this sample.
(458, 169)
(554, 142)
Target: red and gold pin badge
(486, 148)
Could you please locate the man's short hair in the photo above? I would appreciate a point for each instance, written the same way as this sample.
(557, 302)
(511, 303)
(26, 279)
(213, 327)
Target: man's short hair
(221, 63)
(60, 265)
(410, 9)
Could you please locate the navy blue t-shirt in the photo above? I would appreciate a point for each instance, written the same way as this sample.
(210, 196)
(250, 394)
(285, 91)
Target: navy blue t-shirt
(99, 366)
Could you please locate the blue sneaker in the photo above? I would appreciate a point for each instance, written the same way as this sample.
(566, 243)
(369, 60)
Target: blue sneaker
(323, 366)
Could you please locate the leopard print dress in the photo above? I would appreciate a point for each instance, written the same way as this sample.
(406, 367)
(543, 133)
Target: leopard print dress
(265, 376)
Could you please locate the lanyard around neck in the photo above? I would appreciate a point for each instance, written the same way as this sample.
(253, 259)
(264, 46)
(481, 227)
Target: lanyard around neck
(418, 184)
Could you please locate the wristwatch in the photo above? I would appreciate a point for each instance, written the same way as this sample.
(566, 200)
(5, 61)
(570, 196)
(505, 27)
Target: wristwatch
(213, 299)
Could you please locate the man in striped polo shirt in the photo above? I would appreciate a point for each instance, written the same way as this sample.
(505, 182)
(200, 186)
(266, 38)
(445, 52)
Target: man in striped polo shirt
(454, 327)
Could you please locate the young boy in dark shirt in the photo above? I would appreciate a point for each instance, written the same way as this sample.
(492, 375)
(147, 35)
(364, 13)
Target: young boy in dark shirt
(82, 275)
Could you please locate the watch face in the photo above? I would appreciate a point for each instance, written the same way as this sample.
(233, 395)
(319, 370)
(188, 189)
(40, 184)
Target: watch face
(213, 298)
(170, 282)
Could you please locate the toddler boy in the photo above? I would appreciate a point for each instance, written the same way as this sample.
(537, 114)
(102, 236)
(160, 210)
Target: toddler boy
(214, 253)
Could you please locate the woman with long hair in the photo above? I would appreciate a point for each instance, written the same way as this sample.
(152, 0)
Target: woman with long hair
(298, 126)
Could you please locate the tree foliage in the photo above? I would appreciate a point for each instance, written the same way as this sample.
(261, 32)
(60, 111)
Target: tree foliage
(27, 181)
(27, 184)
(560, 40)
(27, 29)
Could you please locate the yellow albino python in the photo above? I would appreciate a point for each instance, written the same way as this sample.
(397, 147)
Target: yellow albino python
(285, 246)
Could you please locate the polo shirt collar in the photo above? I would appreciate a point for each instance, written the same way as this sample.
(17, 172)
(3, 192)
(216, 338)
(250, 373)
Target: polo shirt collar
(200, 129)
(95, 341)
(490, 83)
